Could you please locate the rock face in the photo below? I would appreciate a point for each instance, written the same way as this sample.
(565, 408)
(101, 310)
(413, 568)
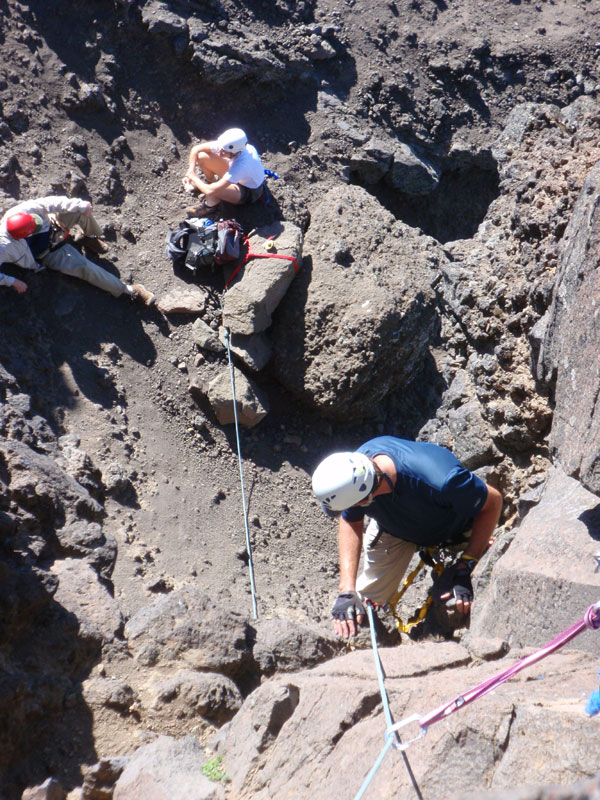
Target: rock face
(552, 559)
(495, 129)
(294, 735)
(501, 738)
(55, 562)
(236, 53)
(588, 789)
(571, 341)
(356, 323)
(81, 593)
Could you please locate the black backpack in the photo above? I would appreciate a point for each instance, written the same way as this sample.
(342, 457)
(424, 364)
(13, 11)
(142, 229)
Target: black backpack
(198, 244)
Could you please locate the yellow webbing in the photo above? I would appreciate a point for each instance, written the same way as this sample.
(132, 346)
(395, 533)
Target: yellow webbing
(418, 616)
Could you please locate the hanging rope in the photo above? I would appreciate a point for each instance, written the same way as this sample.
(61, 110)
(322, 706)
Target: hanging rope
(391, 739)
(249, 255)
(239, 453)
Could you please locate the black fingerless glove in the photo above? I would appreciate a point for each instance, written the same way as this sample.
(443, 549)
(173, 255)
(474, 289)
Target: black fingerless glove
(348, 605)
(462, 588)
(456, 581)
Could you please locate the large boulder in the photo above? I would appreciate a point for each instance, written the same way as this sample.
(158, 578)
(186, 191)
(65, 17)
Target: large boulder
(254, 351)
(167, 769)
(402, 168)
(186, 628)
(410, 173)
(82, 594)
(160, 19)
(373, 160)
(356, 323)
(43, 487)
(251, 403)
(285, 646)
(249, 303)
(572, 339)
(550, 559)
(188, 695)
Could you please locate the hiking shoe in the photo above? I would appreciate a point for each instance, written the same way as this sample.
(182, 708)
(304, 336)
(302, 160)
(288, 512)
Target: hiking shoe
(202, 209)
(94, 244)
(139, 292)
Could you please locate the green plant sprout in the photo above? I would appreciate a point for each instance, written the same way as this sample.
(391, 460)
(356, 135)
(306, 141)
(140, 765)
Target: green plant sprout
(213, 771)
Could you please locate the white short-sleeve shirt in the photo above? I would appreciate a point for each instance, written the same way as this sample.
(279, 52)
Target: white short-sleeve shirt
(245, 168)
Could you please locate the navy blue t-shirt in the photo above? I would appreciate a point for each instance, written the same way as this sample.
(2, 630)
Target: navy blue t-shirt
(39, 243)
(434, 499)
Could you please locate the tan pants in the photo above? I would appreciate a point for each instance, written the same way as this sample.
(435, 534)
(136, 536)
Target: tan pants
(70, 261)
(77, 219)
(383, 565)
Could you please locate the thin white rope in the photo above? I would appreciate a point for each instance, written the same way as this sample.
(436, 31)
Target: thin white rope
(239, 452)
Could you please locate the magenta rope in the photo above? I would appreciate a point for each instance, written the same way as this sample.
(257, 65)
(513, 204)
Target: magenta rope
(591, 619)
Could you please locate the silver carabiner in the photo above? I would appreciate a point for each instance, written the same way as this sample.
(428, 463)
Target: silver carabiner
(397, 745)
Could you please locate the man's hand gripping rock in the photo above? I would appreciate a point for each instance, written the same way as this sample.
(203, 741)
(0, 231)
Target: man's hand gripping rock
(348, 611)
(454, 587)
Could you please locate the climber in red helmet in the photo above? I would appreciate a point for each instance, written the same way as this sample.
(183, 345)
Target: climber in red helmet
(33, 236)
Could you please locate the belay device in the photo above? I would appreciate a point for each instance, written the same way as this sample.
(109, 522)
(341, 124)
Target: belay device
(200, 243)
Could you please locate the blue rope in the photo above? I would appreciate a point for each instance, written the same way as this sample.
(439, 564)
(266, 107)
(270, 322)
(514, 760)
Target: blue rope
(389, 738)
(239, 452)
(389, 742)
(379, 668)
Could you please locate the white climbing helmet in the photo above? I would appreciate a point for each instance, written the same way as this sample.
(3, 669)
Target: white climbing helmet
(343, 479)
(232, 141)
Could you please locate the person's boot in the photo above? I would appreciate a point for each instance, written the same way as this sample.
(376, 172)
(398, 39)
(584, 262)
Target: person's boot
(139, 292)
(95, 244)
(202, 209)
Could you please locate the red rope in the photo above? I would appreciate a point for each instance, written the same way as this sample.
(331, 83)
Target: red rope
(590, 620)
(250, 254)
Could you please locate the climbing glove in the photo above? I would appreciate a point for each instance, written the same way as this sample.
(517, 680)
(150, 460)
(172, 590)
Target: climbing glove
(456, 581)
(348, 605)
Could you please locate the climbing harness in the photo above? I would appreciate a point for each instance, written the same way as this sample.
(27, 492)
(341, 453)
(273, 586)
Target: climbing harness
(590, 620)
(389, 608)
(251, 254)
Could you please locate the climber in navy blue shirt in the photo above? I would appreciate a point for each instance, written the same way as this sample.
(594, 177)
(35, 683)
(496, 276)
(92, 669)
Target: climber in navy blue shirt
(416, 494)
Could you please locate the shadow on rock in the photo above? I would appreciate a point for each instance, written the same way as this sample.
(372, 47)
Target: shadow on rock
(44, 659)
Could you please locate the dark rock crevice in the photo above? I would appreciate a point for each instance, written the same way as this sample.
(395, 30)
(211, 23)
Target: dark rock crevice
(453, 210)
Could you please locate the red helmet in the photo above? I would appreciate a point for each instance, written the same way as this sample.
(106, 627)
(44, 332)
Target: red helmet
(21, 225)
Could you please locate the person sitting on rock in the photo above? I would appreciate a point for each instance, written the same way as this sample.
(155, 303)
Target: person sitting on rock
(34, 232)
(417, 495)
(232, 170)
